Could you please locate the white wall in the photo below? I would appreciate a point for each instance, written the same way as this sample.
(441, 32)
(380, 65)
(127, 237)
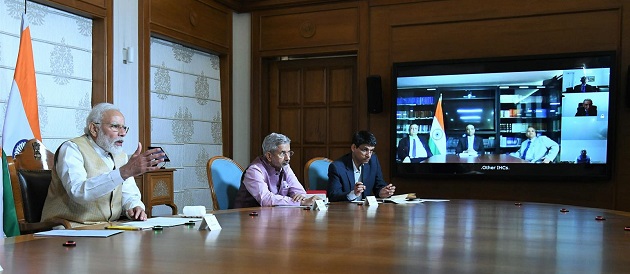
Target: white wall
(126, 75)
(241, 86)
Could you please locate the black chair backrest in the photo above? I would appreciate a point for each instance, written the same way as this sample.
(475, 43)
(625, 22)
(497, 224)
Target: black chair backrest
(34, 187)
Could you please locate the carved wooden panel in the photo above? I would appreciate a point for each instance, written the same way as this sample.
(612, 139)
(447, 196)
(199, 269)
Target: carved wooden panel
(157, 189)
(194, 19)
(309, 29)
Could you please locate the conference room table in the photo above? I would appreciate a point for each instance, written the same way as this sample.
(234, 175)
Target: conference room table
(456, 236)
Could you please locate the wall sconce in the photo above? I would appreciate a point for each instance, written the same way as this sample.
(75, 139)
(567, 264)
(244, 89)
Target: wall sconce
(129, 55)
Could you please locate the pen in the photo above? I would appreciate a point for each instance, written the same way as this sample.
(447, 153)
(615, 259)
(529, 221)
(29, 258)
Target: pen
(123, 227)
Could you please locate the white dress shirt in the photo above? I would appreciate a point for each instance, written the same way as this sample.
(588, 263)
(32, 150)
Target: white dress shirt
(357, 174)
(421, 152)
(471, 143)
(73, 176)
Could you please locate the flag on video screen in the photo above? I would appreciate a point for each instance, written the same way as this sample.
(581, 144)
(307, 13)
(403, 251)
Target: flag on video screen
(437, 142)
(21, 120)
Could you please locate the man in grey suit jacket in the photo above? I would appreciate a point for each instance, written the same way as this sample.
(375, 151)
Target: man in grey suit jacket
(358, 173)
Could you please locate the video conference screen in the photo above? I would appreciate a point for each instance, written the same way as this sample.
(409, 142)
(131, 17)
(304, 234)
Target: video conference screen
(536, 116)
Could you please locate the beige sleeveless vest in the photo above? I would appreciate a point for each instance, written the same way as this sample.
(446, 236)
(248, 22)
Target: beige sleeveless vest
(106, 208)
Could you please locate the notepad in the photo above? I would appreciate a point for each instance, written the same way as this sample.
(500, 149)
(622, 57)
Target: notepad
(78, 233)
(161, 221)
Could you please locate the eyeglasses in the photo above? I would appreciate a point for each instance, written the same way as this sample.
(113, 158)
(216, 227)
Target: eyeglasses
(366, 150)
(284, 154)
(116, 127)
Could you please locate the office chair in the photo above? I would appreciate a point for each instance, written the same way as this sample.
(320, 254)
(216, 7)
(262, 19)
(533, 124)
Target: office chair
(34, 189)
(224, 179)
(316, 173)
(30, 177)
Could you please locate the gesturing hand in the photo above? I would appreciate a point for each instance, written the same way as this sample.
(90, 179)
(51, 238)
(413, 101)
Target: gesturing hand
(358, 188)
(387, 191)
(140, 163)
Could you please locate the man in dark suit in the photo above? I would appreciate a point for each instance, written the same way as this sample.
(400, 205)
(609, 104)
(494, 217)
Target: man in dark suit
(470, 144)
(584, 87)
(413, 149)
(358, 173)
(583, 158)
(586, 109)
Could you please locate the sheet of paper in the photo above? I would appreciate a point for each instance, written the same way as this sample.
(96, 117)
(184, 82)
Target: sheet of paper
(161, 221)
(210, 222)
(78, 233)
(319, 205)
(434, 200)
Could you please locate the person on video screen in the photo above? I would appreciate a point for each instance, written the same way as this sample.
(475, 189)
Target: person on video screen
(413, 149)
(583, 158)
(537, 149)
(584, 87)
(470, 144)
(586, 109)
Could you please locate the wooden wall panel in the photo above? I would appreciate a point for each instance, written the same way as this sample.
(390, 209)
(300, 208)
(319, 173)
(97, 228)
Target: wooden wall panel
(88, 8)
(290, 87)
(336, 152)
(309, 29)
(545, 34)
(194, 20)
(290, 124)
(314, 83)
(98, 3)
(315, 126)
(340, 132)
(341, 85)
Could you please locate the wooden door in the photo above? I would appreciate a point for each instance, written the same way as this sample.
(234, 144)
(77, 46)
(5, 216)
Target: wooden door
(312, 101)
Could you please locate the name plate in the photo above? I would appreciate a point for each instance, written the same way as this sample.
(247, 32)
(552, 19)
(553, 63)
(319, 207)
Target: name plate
(319, 205)
(371, 201)
(209, 222)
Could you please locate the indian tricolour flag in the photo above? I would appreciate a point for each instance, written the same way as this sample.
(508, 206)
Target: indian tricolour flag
(21, 121)
(437, 142)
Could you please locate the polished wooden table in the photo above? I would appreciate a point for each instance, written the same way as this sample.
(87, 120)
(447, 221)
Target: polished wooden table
(481, 159)
(459, 236)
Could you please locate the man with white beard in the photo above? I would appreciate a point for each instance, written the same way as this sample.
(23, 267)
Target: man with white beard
(92, 179)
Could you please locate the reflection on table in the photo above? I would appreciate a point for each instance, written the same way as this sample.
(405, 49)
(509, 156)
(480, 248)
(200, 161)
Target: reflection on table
(481, 159)
(458, 236)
